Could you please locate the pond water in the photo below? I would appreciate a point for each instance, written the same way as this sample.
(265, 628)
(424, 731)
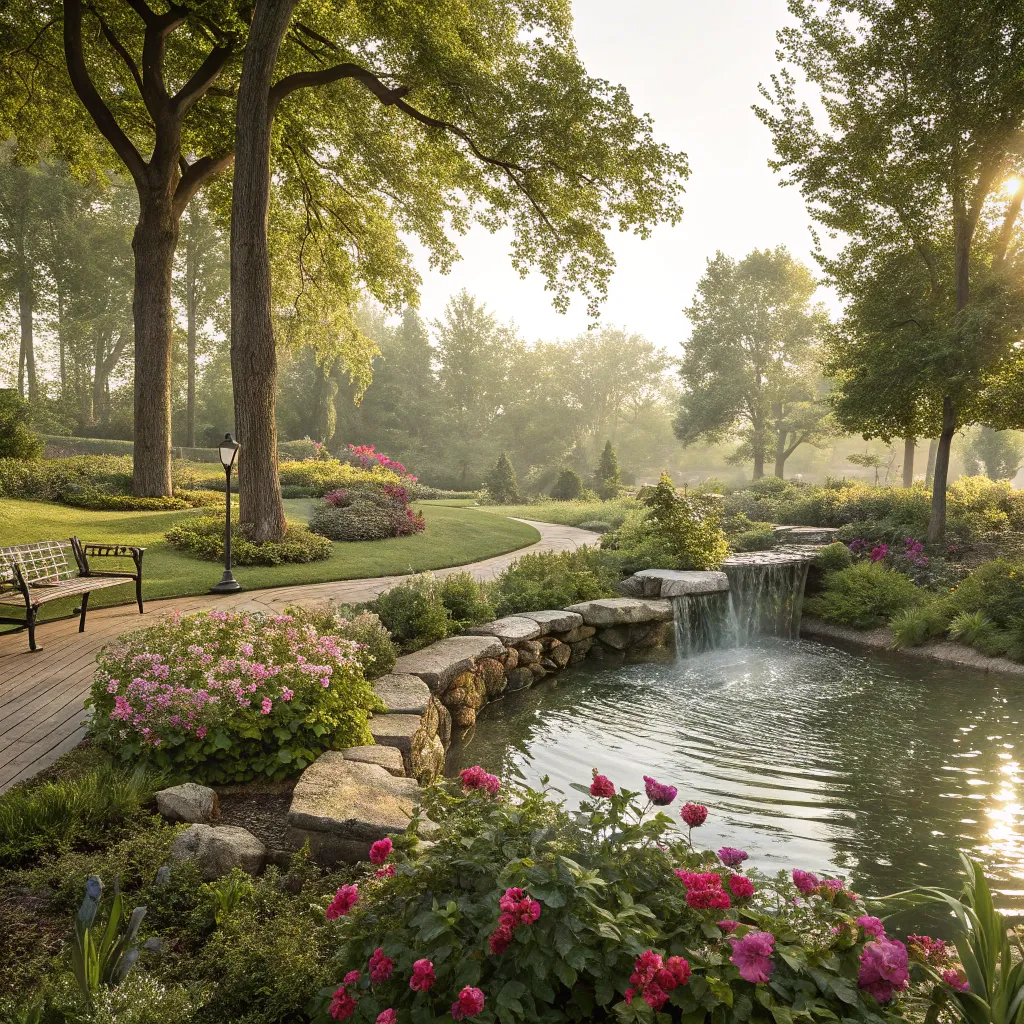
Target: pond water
(876, 768)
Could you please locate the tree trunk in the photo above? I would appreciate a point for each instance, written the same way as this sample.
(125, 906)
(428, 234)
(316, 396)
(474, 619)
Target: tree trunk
(909, 448)
(190, 315)
(153, 242)
(929, 475)
(62, 340)
(780, 453)
(937, 520)
(253, 355)
(26, 300)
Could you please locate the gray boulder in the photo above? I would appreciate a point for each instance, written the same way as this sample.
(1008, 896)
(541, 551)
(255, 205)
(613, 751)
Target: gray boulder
(188, 802)
(403, 694)
(218, 849)
(623, 611)
(554, 621)
(438, 664)
(511, 630)
(673, 583)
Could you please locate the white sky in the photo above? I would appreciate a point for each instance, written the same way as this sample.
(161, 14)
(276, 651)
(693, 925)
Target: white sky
(694, 65)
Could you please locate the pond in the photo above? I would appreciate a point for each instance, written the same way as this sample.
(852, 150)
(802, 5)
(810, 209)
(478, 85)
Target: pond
(875, 768)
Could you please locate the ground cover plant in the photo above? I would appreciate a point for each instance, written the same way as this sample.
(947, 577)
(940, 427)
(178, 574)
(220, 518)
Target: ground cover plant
(550, 579)
(204, 537)
(221, 697)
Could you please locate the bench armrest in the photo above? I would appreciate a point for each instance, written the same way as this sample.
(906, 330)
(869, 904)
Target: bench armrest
(112, 551)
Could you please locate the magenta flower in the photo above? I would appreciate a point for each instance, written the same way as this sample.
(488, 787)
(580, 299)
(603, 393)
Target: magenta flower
(694, 814)
(381, 966)
(873, 927)
(602, 786)
(469, 1003)
(654, 978)
(926, 949)
(658, 793)
(385, 872)
(957, 980)
(266, 706)
(805, 881)
(879, 552)
(741, 886)
(883, 968)
(477, 778)
(342, 1004)
(753, 956)
(423, 978)
(387, 1016)
(731, 857)
(728, 925)
(380, 851)
(345, 899)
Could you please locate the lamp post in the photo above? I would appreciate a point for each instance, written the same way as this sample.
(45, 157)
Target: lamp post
(228, 449)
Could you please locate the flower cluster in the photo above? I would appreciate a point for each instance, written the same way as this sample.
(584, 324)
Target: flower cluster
(927, 950)
(423, 976)
(704, 890)
(601, 786)
(477, 778)
(517, 910)
(694, 814)
(914, 552)
(883, 968)
(752, 954)
(731, 857)
(380, 966)
(653, 978)
(366, 456)
(344, 900)
(469, 1003)
(658, 793)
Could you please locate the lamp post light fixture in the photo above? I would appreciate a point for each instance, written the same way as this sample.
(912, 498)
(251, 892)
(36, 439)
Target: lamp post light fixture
(228, 449)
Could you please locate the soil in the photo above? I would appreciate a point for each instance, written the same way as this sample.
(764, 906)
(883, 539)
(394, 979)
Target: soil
(262, 809)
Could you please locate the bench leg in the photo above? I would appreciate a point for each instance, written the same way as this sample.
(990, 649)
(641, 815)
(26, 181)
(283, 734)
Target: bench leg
(138, 591)
(84, 609)
(30, 622)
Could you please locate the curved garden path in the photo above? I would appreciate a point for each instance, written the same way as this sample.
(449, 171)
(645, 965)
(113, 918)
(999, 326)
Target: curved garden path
(41, 694)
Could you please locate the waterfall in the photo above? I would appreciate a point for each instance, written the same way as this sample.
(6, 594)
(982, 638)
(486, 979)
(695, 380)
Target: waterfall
(764, 597)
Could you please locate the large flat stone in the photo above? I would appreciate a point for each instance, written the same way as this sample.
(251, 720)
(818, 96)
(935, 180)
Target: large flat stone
(622, 611)
(806, 534)
(403, 694)
(218, 849)
(400, 732)
(389, 758)
(510, 630)
(673, 583)
(438, 664)
(351, 800)
(555, 621)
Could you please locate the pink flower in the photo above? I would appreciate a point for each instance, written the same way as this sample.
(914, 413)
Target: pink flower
(381, 966)
(342, 1004)
(380, 851)
(658, 793)
(805, 881)
(477, 778)
(469, 1003)
(267, 705)
(704, 890)
(957, 980)
(831, 885)
(926, 949)
(883, 968)
(351, 978)
(602, 786)
(387, 1016)
(500, 939)
(728, 925)
(873, 927)
(753, 956)
(654, 979)
(286, 694)
(694, 814)
(423, 978)
(385, 872)
(201, 731)
(741, 886)
(345, 899)
(731, 857)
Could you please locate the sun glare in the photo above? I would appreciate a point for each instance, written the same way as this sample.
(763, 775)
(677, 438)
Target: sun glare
(1011, 185)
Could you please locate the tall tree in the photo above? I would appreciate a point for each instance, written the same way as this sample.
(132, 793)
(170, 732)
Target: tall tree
(923, 104)
(750, 366)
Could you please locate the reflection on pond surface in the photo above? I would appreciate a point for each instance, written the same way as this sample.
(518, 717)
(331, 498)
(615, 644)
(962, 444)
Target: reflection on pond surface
(878, 768)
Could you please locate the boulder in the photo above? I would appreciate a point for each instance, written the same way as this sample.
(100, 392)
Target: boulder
(467, 690)
(427, 757)
(519, 678)
(579, 633)
(538, 671)
(404, 732)
(673, 583)
(529, 652)
(806, 534)
(509, 630)
(580, 649)
(402, 693)
(555, 621)
(492, 673)
(438, 664)
(623, 611)
(188, 802)
(511, 659)
(217, 849)
(389, 758)
(615, 636)
(464, 716)
(341, 807)
(444, 722)
(560, 653)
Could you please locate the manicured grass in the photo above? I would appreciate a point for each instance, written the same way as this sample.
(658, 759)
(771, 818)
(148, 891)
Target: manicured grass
(454, 536)
(568, 513)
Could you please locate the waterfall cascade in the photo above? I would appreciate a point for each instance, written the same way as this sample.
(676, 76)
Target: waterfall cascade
(764, 597)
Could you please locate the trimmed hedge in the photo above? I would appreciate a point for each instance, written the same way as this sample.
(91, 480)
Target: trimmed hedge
(204, 538)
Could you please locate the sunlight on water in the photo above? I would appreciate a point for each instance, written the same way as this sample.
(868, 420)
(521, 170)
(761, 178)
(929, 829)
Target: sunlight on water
(876, 769)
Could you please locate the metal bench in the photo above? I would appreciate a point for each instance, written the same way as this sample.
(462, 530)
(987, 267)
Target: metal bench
(34, 574)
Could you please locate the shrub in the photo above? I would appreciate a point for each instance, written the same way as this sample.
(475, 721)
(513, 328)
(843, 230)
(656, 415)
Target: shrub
(352, 515)
(528, 912)
(377, 652)
(689, 527)
(292, 491)
(913, 626)
(228, 697)
(762, 539)
(568, 486)
(204, 537)
(465, 600)
(17, 439)
(414, 613)
(323, 475)
(57, 816)
(864, 595)
(552, 580)
(100, 502)
(304, 448)
(595, 526)
(502, 488)
(607, 477)
(60, 479)
(635, 545)
(833, 557)
(975, 629)
(995, 588)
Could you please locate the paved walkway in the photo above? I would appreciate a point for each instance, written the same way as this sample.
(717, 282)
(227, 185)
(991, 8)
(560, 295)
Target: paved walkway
(41, 694)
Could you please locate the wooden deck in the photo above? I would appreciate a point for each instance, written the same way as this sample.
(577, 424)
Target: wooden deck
(41, 693)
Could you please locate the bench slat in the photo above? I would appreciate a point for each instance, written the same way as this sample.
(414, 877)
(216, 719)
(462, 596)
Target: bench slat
(67, 588)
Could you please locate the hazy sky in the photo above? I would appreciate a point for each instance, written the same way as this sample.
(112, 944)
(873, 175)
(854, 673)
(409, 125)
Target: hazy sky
(694, 65)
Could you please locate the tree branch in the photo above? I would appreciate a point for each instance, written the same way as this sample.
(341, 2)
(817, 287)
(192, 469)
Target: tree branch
(118, 47)
(1006, 231)
(91, 99)
(195, 177)
(204, 77)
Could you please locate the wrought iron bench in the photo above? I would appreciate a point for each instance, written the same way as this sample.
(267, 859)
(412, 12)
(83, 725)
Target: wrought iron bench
(34, 574)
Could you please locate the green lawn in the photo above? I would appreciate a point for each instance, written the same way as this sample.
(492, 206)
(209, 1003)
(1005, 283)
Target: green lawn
(454, 536)
(569, 513)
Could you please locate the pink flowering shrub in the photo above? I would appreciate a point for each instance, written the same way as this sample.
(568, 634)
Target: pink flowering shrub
(221, 697)
(522, 911)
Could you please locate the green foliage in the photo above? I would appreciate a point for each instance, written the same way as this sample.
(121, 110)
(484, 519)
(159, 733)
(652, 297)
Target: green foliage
(552, 580)
(204, 538)
(595, 526)
(59, 479)
(996, 452)
(604, 882)
(125, 502)
(762, 539)
(377, 652)
(975, 629)
(368, 515)
(833, 557)
(865, 595)
(501, 482)
(575, 513)
(607, 477)
(60, 815)
(414, 612)
(912, 626)
(207, 726)
(689, 527)
(995, 588)
(465, 599)
(568, 486)
(323, 475)
(635, 545)
(17, 439)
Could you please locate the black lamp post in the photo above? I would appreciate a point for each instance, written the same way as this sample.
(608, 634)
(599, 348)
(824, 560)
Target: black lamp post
(228, 449)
